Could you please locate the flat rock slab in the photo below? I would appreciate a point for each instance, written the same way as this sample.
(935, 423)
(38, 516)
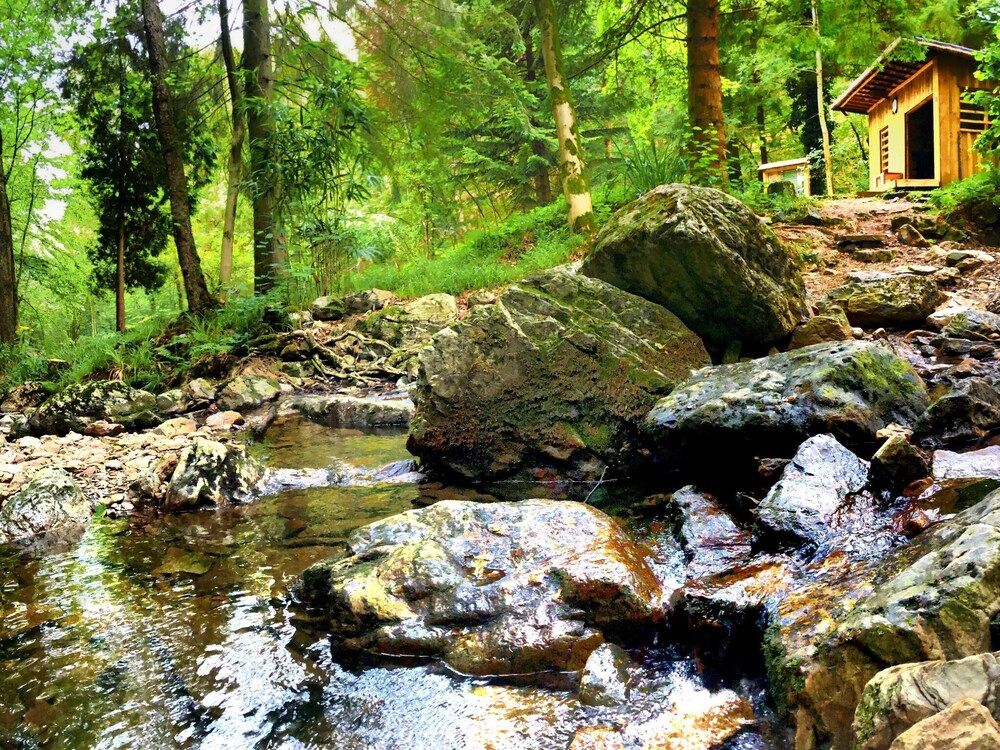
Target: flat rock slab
(895, 301)
(359, 412)
(491, 588)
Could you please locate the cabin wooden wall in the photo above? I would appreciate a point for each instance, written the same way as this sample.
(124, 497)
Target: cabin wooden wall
(911, 95)
(945, 78)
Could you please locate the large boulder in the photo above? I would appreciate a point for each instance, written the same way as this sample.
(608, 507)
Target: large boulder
(490, 588)
(52, 502)
(212, 474)
(768, 406)
(411, 324)
(936, 598)
(891, 301)
(803, 504)
(706, 257)
(898, 697)
(76, 406)
(558, 373)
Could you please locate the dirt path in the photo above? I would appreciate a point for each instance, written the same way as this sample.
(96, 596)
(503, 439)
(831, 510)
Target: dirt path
(827, 266)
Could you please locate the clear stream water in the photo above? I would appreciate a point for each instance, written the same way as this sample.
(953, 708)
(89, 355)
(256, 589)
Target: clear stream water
(180, 633)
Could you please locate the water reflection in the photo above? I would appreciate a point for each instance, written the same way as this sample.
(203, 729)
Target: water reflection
(179, 633)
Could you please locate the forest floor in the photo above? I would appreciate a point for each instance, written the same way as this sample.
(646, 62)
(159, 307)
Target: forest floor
(829, 266)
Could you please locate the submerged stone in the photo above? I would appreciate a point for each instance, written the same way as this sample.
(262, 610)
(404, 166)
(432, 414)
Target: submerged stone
(558, 373)
(706, 257)
(491, 588)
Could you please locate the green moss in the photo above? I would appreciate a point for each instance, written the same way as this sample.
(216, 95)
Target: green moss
(784, 674)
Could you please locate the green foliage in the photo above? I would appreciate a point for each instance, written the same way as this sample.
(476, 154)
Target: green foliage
(517, 247)
(983, 188)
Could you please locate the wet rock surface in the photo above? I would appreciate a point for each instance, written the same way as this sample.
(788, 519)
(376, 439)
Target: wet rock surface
(559, 372)
(932, 599)
(490, 589)
(341, 410)
(898, 697)
(51, 503)
(212, 474)
(967, 414)
(706, 257)
(821, 479)
(768, 406)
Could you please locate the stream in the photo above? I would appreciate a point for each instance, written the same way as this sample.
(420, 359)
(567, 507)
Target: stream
(179, 631)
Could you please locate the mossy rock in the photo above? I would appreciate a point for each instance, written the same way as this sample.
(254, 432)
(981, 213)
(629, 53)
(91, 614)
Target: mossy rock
(706, 257)
(768, 406)
(558, 373)
(76, 406)
(891, 301)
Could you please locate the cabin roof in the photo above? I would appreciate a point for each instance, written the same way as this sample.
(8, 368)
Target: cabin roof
(780, 165)
(876, 83)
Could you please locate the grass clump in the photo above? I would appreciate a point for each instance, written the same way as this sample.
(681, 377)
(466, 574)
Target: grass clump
(522, 244)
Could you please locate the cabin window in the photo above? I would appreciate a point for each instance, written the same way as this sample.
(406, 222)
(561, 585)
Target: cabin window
(883, 150)
(972, 118)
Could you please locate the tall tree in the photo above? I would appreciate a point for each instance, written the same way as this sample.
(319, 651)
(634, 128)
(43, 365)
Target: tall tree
(199, 299)
(573, 170)
(235, 169)
(8, 278)
(704, 91)
(821, 101)
(269, 256)
(120, 159)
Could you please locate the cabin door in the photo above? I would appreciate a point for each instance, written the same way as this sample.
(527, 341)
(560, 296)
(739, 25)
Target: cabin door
(920, 142)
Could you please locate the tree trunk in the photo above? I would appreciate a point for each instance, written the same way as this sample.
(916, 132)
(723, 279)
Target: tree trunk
(705, 89)
(268, 253)
(198, 297)
(120, 279)
(821, 103)
(8, 280)
(235, 147)
(543, 187)
(573, 170)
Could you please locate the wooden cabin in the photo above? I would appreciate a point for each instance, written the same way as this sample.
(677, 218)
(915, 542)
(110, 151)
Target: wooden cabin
(921, 128)
(794, 171)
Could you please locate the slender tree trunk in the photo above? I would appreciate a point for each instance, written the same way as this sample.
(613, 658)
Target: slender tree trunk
(8, 279)
(573, 170)
(705, 88)
(235, 146)
(268, 254)
(198, 297)
(821, 103)
(120, 279)
(543, 186)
